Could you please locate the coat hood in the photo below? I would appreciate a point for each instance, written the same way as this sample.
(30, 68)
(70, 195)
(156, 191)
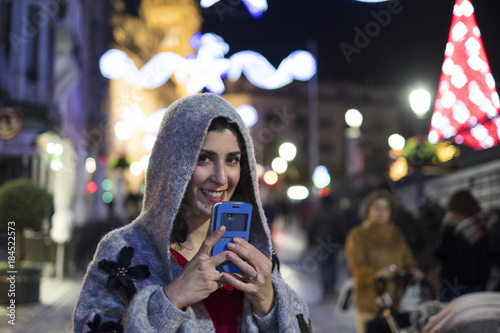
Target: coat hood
(172, 162)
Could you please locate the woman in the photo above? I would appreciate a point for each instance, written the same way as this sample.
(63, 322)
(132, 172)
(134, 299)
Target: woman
(375, 249)
(463, 248)
(156, 274)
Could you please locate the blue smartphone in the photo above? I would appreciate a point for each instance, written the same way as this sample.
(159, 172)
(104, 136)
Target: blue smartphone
(236, 216)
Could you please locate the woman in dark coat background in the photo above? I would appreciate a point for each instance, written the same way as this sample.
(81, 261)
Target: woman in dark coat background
(463, 248)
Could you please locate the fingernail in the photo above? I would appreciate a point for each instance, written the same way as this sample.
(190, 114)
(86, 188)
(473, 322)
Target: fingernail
(230, 245)
(236, 240)
(222, 228)
(231, 256)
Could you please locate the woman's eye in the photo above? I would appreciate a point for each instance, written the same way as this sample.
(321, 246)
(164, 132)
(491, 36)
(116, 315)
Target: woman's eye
(233, 160)
(203, 159)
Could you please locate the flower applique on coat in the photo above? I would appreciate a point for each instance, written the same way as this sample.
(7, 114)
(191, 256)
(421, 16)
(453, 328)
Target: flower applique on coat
(122, 276)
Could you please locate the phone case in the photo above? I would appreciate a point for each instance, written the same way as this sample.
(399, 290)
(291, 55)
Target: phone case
(236, 216)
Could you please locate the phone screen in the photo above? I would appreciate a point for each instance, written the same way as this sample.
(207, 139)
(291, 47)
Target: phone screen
(234, 222)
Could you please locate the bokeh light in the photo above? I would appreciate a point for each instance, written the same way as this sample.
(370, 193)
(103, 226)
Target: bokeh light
(297, 192)
(107, 197)
(279, 165)
(92, 187)
(248, 114)
(56, 165)
(124, 129)
(321, 176)
(353, 118)
(270, 177)
(396, 142)
(90, 165)
(107, 185)
(135, 168)
(398, 169)
(288, 151)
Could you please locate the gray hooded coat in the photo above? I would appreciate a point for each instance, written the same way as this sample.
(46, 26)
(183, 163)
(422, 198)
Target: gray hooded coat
(124, 282)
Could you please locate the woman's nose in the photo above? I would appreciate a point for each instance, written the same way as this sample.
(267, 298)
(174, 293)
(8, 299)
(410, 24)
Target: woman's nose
(219, 174)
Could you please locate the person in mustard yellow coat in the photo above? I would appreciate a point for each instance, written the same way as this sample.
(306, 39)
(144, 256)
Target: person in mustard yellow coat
(374, 250)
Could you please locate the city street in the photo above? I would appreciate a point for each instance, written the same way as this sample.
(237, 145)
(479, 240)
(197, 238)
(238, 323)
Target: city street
(54, 312)
(345, 127)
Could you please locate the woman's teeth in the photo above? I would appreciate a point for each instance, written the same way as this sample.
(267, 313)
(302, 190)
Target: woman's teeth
(212, 194)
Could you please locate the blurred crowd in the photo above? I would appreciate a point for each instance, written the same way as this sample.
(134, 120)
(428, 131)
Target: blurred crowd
(448, 251)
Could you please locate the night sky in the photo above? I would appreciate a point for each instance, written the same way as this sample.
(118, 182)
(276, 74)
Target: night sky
(407, 52)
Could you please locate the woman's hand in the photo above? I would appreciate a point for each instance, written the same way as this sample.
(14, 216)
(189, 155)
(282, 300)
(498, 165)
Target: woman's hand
(257, 285)
(199, 278)
(385, 273)
(417, 274)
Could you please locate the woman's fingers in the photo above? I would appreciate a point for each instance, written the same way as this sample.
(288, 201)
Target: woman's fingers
(210, 241)
(248, 253)
(253, 263)
(243, 265)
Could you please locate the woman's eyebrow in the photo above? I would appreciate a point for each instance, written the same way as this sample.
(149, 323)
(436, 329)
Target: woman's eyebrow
(211, 152)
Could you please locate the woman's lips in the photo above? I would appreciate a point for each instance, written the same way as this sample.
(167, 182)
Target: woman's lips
(214, 196)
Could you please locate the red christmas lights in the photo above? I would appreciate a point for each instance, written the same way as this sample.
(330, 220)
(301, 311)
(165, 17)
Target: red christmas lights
(467, 101)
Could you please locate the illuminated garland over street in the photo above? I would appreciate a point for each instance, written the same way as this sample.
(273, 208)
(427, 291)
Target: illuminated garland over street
(255, 7)
(207, 67)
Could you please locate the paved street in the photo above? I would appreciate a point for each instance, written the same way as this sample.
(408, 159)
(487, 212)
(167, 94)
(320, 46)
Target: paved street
(51, 315)
(301, 271)
(57, 298)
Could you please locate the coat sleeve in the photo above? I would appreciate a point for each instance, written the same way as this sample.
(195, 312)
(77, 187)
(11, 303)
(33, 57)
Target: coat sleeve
(290, 313)
(360, 269)
(148, 311)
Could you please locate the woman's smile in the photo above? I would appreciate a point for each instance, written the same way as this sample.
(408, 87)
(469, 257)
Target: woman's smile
(214, 196)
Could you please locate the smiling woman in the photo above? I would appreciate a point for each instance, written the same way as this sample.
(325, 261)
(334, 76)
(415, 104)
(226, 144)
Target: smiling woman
(156, 274)
(214, 179)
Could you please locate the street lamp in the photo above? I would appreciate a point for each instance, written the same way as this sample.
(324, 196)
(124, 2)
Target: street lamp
(420, 102)
(354, 158)
(354, 119)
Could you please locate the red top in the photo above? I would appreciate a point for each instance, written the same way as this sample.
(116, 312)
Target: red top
(225, 305)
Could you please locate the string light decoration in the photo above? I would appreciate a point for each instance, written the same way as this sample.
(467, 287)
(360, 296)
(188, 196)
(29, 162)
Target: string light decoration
(467, 102)
(207, 68)
(255, 7)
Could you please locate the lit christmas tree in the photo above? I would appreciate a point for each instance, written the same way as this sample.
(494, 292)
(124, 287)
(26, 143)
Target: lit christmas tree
(467, 101)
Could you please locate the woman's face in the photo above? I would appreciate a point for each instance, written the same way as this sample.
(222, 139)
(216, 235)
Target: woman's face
(216, 174)
(380, 211)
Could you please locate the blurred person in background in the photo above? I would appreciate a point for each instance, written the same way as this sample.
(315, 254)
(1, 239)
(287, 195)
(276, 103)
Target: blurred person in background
(376, 249)
(463, 248)
(326, 236)
(431, 216)
(494, 241)
(349, 213)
